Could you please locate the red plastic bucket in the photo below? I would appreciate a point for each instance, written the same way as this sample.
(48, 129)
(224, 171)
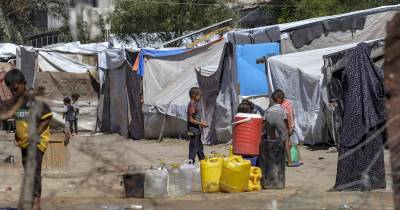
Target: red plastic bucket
(247, 133)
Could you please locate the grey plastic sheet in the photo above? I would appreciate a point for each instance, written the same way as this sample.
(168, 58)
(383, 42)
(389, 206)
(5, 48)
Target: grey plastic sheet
(166, 85)
(299, 76)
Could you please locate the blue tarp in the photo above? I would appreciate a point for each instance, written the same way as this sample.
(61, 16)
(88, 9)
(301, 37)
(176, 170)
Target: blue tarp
(156, 53)
(251, 76)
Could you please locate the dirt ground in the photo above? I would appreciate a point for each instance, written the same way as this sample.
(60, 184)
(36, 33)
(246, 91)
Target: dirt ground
(93, 176)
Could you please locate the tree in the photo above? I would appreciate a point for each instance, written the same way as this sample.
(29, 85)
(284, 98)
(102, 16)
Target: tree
(303, 9)
(16, 16)
(149, 22)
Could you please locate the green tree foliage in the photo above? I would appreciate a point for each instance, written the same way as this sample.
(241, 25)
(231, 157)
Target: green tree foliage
(16, 16)
(147, 23)
(294, 10)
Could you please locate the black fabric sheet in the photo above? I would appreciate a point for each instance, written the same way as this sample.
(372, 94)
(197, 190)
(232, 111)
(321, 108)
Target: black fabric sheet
(361, 162)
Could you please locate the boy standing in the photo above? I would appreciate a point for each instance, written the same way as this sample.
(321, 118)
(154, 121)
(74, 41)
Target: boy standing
(195, 125)
(75, 97)
(23, 101)
(68, 114)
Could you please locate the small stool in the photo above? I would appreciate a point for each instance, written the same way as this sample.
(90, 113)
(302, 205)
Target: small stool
(11, 125)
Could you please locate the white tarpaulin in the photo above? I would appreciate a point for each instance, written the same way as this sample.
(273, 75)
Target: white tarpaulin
(167, 81)
(61, 62)
(7, 50)
(299, 76)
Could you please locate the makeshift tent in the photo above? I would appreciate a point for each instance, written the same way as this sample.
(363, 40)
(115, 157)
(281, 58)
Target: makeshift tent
(221, 98)
(61, 74)
(321, 32)
(334, 65)
(316, 33)
(120, 95)
(166, 84)
(299, 75)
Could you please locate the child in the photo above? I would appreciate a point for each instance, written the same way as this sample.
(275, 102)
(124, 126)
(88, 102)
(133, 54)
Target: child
(195, 125)
(68, 114)
(288, 108)
(21, 104)
(75, 97)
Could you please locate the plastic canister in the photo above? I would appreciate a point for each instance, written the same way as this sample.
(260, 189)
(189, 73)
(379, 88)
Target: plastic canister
(235, 174)
(247, 134)
(196, 181)
(177, 187)
(187, 170)
(294, 154)
(133, 183)
(255, 179)
(210, 169)
(155, 183)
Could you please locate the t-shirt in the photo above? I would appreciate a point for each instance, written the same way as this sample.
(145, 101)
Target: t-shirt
(276, 125)
(76, 108)
(194, 110)
(22, 125)
(69, 113)
(288, 108)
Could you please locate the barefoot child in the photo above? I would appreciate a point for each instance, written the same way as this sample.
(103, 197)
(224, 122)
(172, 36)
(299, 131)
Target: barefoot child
(23, 101)
(195, 125)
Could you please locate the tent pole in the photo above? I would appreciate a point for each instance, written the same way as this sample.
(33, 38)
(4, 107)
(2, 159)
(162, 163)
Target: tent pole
(162, 129)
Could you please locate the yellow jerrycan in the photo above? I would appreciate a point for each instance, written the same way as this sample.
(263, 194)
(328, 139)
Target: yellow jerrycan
(255, 179)
(235, 174)
(210, 170)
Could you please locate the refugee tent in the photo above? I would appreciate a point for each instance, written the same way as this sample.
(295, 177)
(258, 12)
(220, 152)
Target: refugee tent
(311, 34)
(334, 65)
(62, 73)
(120, 105)
(321, 32)
(166, 84)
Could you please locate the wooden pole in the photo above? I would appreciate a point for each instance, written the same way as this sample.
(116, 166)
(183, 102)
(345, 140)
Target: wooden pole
(392, 87)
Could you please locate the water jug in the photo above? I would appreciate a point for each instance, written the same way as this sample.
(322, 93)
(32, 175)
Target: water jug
(255, 179)
(210, 169)
(133, 183)
(247, 134)
(187, 170)
(196, 181)
(235, 174)
(156, 183)
(294, 154)
(177, 186)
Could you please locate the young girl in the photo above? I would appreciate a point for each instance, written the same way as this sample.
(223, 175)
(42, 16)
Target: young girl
(75, 97)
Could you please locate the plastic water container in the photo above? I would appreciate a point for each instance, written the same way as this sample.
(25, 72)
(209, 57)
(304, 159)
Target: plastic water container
(235, 174)
(210, 169)
(177, 186)
(294, 154)
(253, 159)
(196, 181)
(255, 179)
(247, 134)
(133, 184)
(156, 183)
(187, 170)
